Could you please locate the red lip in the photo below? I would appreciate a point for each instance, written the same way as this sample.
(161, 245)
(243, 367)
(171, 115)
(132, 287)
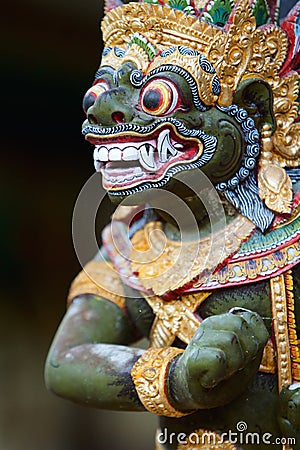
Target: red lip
(129, 159)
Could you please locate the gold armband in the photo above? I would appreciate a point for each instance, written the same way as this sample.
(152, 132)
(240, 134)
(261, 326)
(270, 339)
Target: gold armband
(149, 375)
(98, 278)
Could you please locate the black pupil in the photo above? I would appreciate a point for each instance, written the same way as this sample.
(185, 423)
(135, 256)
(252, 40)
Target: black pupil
(152, 99)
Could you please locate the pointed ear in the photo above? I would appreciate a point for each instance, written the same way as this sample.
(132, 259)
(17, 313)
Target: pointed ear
(256, 97)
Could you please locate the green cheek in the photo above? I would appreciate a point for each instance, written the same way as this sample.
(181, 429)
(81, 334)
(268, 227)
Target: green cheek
(228, 156)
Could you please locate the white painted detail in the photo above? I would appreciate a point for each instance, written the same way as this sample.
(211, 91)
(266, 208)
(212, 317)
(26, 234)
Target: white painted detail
(147, 157)
(149, 154)
(177, 145)
(130, 154)
(103, 154)
(115, 154)
(294, 387)
(98, 165)
(165, 148)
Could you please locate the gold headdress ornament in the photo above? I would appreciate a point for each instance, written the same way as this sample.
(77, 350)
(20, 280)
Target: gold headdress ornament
(238, 52)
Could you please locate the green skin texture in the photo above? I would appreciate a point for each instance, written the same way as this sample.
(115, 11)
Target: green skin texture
(90, 360)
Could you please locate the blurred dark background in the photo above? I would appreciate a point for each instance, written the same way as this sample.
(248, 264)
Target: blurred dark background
(49, 53)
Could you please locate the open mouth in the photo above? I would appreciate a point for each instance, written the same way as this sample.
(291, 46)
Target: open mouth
(130, 159)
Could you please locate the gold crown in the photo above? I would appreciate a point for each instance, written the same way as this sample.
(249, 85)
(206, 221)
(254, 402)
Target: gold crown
(161, 25)
(239, 51)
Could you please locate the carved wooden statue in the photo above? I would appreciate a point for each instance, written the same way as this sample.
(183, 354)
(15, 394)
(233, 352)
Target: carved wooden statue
(197, 101)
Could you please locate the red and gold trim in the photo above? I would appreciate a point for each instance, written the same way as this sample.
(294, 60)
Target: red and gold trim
(259, 261)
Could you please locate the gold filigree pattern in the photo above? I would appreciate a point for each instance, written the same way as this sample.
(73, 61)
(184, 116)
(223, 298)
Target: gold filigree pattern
(268, 362)
(277, 45)
(286, 138)
(275, 188)
(138, 56)
(98, 278)
(287, 146)
(149, 375)
(293, 338)
(286, 92)
(111, 60)
(238, 48)
(215, 51)
(174, 318)
(191, 64)
(274, 184)
(238, 52)
(258, 59)
(281, 330)
(164, 26)
(164, 265)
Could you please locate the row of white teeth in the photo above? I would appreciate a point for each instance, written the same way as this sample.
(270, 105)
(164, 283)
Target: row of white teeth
(123, 178)
(143, 153)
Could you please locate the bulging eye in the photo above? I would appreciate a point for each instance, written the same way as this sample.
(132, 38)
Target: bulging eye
(159, 97)
(93, 93)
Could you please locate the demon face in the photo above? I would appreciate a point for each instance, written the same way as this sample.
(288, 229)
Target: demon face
(175, 94)
(147, 127)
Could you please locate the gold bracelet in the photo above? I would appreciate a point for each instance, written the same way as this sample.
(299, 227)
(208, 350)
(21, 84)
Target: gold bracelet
(150, 374)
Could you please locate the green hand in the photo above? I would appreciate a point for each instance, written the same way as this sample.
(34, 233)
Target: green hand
(220, 360)
(289, 415)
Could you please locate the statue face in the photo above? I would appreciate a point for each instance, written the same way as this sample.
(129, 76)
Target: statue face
(147, 127)
(157, 110)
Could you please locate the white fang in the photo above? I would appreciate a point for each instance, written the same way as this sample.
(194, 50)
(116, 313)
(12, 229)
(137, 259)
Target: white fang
(164, 146)
(147, 157)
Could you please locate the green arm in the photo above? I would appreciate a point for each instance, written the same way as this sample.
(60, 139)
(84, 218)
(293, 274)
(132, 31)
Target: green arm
(89, 361)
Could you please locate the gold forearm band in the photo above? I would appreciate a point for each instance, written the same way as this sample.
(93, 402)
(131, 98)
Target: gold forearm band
(98, 278)
(149, 375)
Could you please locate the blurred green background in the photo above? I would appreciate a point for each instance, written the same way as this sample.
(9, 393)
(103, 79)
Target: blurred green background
(49, 54)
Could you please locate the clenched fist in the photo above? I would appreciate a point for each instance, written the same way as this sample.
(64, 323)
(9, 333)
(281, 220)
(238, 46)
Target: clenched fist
(220, 360)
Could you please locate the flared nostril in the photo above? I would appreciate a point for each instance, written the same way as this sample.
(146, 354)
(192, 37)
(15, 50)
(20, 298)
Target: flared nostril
(92, 119)
(118, 117)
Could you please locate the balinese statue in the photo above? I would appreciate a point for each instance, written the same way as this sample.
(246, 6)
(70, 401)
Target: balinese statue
(194, 119)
